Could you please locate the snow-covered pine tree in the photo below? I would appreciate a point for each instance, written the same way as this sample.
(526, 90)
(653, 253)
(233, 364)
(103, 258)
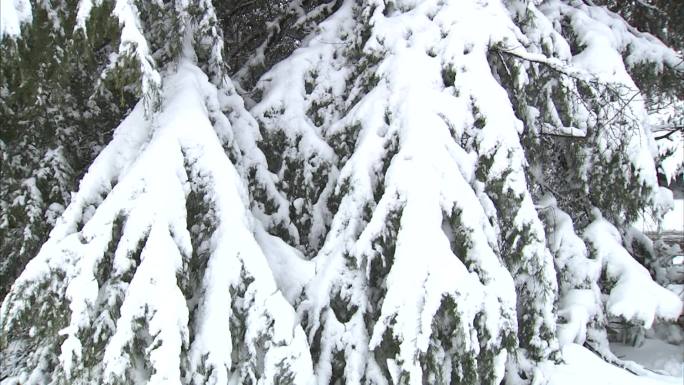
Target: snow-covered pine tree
(505, 102)
(441, 190)
(153, 274)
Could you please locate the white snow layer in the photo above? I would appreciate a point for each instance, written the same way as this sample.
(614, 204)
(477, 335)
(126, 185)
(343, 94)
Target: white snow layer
(634, 296)
(14, 13)
(83, 12)
(580, 297)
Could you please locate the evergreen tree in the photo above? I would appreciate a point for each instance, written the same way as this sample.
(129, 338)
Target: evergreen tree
(153, 274)
(350, 91)
(418, 192)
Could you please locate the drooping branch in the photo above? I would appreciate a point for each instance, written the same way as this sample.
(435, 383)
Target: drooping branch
(670, 131)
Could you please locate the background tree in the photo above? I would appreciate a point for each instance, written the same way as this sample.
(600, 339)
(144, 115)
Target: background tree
(663, 89)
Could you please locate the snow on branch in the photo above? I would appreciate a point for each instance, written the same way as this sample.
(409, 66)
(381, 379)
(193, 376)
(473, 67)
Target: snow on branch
(633, 294)
(13, 14)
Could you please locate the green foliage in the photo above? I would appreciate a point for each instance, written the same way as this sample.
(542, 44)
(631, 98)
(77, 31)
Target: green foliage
(451, 358)
(344, 141)
(57, 113)
(380, 264)
(251, 48)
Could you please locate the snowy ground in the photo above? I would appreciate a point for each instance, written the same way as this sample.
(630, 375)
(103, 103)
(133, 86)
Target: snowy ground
(584, 367)
(654, 354)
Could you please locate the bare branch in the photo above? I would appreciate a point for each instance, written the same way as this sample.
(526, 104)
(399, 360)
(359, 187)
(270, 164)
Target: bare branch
(672, 130)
